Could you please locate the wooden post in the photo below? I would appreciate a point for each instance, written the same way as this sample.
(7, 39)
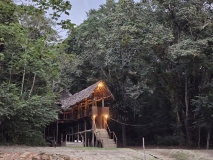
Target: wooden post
(78, 115)
(93, 137)
(72, 135)
(56, 133)
(144, 149)
(105, 122)
(95, 101)
(86, 106)
(85, 134)
(94, 140)
(78, 131)
(93, 131)
(102, 102)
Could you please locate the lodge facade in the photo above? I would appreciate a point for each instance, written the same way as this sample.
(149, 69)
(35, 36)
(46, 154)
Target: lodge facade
(83, 119)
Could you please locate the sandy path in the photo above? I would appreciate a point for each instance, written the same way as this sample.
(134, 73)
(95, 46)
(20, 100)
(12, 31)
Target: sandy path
(114, 154)
(181, 154)
(81, 153)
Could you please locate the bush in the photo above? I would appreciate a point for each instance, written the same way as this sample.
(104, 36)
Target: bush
(167, 140)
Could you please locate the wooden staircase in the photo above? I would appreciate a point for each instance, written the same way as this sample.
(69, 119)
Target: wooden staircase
(103, 137)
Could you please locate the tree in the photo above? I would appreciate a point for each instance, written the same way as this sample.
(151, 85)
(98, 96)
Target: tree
(29, 66)
(148, 52)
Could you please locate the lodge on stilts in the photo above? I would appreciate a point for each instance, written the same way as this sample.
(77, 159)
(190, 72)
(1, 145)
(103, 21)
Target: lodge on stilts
(83, 119)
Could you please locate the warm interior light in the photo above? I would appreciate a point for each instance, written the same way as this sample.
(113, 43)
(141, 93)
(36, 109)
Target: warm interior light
(100, 84)
(94, 116)
(106, 116)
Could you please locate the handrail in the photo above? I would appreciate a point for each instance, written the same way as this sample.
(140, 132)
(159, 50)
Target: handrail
(97, 132)
(111, 133)
(101, 138)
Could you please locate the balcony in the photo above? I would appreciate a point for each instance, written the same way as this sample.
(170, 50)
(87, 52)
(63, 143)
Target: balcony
(83, 112)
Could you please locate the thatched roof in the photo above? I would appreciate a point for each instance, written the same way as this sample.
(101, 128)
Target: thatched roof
(65, 94)
(82, 95)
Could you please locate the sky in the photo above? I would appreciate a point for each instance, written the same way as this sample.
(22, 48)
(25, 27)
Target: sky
(78, 12)
(79, 9)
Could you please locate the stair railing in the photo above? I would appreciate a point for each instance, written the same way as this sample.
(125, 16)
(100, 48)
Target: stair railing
(98, 132)
(111, 134)
(100, 137)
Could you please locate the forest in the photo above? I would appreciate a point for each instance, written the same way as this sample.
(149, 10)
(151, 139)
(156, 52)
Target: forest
(156, 56)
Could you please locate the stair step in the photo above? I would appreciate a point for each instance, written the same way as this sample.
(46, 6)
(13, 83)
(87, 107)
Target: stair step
(108, 140)
(104, 136)
(109, 146)
(105, 143)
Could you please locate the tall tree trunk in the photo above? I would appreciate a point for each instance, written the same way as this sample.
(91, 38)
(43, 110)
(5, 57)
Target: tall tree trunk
(23, 77)
(188, 136)
(198, 143)
(123, 128)
(180, 130)
(208, 138)
(31, 90)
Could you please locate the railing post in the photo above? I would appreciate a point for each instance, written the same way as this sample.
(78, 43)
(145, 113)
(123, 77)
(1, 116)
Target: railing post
(116, 143)
(93, 130)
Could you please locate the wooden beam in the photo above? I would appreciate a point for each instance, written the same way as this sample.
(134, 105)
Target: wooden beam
(89, 130)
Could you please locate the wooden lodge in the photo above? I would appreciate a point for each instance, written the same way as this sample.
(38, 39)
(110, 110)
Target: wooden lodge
(83, 119)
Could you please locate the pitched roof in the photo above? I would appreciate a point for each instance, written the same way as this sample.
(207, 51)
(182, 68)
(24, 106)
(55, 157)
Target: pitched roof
(86, 93)
(65, 94)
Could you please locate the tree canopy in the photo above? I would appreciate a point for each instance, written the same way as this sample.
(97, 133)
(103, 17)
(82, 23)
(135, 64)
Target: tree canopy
(29, 66)
(155, 56)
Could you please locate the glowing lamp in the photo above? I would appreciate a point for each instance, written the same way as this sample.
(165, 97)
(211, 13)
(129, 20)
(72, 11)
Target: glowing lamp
(100, 84)
(106, 116)
(94, 116)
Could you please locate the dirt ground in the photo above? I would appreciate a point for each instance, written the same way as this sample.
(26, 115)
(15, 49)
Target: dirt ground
(181, 154)
(81, 153)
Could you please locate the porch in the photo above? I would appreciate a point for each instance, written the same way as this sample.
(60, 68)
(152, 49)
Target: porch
(83, 112)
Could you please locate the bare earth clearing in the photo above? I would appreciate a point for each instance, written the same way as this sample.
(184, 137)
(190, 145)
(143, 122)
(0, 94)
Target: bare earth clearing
(66, 153)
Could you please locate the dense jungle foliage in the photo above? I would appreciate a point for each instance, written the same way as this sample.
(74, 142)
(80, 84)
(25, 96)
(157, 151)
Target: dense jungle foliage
(155, 56)
(29, 66)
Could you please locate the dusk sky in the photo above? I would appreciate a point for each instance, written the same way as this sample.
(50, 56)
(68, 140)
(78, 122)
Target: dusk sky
(79, 9)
